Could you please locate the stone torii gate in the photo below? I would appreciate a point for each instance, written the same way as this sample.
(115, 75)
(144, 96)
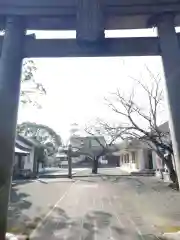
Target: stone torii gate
(90, 18)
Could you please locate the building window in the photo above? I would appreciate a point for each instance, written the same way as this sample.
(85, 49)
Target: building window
(133, 157)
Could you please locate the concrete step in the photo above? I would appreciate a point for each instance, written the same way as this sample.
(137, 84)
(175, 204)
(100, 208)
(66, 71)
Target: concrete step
(145, 172)
(55, 175)
(141, 174)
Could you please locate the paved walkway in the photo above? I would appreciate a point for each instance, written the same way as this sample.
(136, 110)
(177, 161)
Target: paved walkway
(111, 205)
(98, 208)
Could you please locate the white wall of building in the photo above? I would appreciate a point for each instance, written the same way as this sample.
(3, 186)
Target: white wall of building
(130, 164)
(133, 162)
(141, 159)
(154, 159)
(138, 162)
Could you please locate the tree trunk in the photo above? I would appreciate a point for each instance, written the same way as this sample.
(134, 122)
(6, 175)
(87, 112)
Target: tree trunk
(161, 172)
(172, 172)
(95, 165)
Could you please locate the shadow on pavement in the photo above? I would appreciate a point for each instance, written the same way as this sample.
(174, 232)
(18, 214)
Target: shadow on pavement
(17, 220)
(93, 225)
(22, 182)
(61, 226)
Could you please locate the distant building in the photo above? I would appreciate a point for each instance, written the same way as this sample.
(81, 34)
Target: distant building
(22, 157)
(135, 155)
(93, 142)
(61, 159)
(92, 145)
(29, 156)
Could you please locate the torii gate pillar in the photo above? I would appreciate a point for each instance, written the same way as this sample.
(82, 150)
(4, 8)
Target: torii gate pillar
(10, 73)
(170, 52)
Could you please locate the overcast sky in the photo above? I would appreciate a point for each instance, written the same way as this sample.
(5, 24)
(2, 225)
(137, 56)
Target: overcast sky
(76, 87)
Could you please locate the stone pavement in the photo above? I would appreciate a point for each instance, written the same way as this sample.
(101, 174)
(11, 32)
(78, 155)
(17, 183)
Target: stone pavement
(100, 208)
(111, 205)
(31, 200)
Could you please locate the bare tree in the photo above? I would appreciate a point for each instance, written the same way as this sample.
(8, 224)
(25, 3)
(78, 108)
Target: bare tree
(106, 147)
(142, 122)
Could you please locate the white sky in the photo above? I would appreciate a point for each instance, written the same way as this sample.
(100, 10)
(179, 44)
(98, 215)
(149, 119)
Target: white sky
(76, 87)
